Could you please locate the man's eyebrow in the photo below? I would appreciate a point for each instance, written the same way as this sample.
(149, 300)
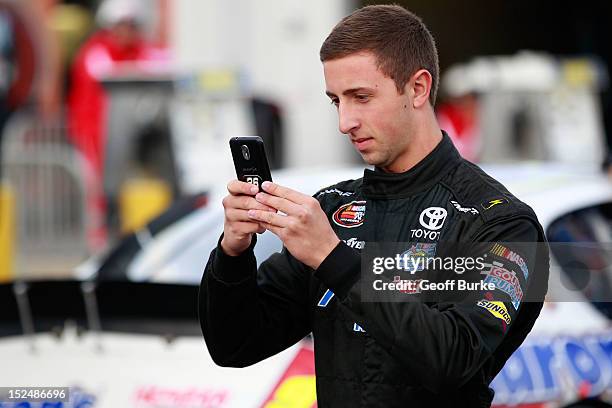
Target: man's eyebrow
(350, 91)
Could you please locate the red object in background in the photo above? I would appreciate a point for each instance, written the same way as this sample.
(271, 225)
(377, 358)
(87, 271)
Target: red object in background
(584, 390)
(103, 53)
(459, 118)
(87, 100)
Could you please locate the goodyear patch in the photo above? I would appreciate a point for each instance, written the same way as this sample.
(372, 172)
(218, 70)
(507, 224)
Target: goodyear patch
(512, 256)
(354, 243)
(506, 281)
(350, 215)
(497, 309)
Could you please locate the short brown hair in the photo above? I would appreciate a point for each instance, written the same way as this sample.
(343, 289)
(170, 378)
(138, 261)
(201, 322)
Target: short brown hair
(397, 37)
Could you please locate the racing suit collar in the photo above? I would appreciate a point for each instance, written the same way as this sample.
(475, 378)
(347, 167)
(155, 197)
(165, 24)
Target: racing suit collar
(378, 184)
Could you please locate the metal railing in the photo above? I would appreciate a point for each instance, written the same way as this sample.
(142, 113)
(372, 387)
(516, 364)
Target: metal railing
(44, 172)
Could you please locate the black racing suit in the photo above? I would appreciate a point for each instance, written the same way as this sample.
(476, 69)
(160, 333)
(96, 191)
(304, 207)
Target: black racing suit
(387, 354)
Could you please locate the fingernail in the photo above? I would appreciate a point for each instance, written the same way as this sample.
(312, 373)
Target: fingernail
(266, 184)
(254, 190)
(251, 213)
(258, 196)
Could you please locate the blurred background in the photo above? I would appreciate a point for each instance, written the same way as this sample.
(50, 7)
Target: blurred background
(115, 118)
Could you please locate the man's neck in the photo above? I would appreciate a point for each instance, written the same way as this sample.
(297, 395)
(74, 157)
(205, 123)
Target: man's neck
(424, 139)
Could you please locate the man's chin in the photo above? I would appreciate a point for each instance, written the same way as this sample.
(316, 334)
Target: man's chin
(371, 159)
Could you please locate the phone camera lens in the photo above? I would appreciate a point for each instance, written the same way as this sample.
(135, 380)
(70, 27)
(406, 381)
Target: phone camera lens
(245, 152)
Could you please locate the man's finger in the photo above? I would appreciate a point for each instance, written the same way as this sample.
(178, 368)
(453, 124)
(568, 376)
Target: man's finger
(235, 215)
(282, 204)
(245, 227)
(237, 187)
(272, 228)
(285, 192)
(269, 218)
(243, 202)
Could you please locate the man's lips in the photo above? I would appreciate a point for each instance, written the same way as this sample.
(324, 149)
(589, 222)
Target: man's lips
(362, 143)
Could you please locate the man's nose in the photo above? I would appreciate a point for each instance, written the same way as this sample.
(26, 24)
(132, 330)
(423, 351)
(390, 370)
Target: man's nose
(347, 119)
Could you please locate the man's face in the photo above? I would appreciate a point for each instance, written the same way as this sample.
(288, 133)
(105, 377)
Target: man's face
(371, 112)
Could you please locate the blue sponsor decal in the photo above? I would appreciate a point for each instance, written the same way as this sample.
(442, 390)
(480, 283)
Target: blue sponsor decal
(550, 368)
(327, 296)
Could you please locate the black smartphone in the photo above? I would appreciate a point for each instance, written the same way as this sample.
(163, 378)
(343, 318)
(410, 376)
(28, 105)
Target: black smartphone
(250, 160)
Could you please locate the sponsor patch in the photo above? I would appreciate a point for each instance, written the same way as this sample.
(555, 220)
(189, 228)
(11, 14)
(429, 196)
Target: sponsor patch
(414, 258)
(425, 234)
(506, 281)
(497, 309)
(512, 256)
(433, 218)
(412, 286)
(350, 215)
(492, 203)
(468, 210)
(335, 191)
(354, 243)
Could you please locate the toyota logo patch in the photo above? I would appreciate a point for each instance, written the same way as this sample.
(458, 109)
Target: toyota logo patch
(433, 218)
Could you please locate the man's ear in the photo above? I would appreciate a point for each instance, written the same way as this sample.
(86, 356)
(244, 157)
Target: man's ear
(420, 85)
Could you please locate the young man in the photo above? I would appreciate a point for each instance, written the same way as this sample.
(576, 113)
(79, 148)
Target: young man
(381, 72)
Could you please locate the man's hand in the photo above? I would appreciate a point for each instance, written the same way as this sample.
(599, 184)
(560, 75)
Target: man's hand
(238, 227)
(304, 229)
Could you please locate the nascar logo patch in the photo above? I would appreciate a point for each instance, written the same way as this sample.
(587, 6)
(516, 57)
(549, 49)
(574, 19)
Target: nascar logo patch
(504, 252)
(350, 215)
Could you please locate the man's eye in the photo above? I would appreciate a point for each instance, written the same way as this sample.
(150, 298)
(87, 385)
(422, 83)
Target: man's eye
(362, 98)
